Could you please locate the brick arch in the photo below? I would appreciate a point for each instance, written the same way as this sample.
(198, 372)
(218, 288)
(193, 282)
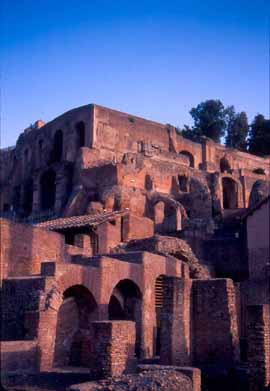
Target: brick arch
(50, 305)
(190, 157)
(172, 210)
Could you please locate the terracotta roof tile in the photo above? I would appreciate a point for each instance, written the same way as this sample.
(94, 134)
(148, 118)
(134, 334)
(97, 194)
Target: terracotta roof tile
(80, 221)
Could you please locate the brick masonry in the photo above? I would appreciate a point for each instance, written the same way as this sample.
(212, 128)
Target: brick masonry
(113, 351)
(258, 337)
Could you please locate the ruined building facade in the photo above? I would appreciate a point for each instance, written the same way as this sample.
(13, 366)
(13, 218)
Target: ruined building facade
(117, 226)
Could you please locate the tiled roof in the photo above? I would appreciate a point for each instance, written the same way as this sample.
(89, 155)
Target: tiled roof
(80, 221)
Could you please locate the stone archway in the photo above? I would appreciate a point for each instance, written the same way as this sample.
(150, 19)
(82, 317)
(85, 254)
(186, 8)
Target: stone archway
(72, 330)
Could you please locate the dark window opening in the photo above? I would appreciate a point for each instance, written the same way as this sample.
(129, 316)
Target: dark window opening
(225, 165)
(189, 156)
(80, 133)
(57, 146)
(148, 183)
(229, 189)
(48, 190)
(69, 238)
(16, 198)
(28, 197)
(94, 243)
(6, 208)
(259, 171)
(183, 183)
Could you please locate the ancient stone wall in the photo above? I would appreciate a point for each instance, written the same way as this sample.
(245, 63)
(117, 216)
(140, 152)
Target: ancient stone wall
(176, 322)
(258, 332)
(24, 247)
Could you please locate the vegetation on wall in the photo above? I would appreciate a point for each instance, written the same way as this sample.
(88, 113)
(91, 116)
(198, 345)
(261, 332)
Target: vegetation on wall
(219, 123)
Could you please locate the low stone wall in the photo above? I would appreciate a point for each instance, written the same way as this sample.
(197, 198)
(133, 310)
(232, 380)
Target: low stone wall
(18, 357)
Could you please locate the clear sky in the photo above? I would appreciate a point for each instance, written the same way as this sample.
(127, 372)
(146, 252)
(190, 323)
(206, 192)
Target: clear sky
(151, 58)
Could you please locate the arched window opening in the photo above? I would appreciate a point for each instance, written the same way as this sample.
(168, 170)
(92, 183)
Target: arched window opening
(125, 304)
(259, 171)
(148, 183)
(57, 151)
(16, 198)
(6, 208)
(28, 189)
(158, 305)
(225, 165)
(76, 312)
(183, 183)
(230, 193)
(80, 133)
(189, 156)
(48, 190)
(26, 155)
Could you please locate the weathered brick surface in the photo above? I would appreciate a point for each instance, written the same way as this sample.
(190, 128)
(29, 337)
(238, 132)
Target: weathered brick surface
(175, 322)
(258, 336)
(215, 329)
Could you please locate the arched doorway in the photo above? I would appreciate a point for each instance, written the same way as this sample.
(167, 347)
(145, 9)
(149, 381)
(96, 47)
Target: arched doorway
(57, 150)
(230, 193)
(47, 190)
(72, 342)
(158, 306)
(125, 304)
(189, 156)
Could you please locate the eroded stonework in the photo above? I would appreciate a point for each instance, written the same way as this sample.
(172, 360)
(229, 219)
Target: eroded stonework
(122, 241)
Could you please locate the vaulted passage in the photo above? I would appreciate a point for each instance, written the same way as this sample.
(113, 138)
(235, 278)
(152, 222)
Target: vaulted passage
(125, 304)
(230, 193)
(47, 190)
(72, 343)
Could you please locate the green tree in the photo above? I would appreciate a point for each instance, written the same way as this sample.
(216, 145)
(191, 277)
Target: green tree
(210, 119)
(259, 136)
(237, 130)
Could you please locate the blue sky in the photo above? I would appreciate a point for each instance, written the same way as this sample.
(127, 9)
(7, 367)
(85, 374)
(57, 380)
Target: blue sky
(155, 59)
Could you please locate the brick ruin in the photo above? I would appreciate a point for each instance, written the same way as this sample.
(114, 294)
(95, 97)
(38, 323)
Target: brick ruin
(122, 242)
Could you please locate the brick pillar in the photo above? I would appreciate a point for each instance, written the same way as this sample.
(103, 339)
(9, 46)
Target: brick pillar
(258, 346)
(46, 338)
(175, 322)
(215, 329)
(112, 347)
